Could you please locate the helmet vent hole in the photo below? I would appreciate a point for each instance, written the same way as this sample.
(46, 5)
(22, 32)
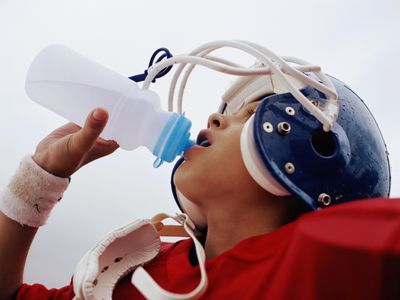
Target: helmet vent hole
(324, 143)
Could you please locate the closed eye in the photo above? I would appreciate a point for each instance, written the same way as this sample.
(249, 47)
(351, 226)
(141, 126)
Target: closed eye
(250, 112)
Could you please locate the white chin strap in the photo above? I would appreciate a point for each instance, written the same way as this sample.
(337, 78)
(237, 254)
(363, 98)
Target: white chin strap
(255, 165)
(147, 285)
(128, 249)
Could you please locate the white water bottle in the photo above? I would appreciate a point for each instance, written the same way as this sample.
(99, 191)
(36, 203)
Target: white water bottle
(72, 85)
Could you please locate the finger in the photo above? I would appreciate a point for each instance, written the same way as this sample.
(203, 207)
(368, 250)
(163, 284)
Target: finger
(69, 127)
(104, 147)
(84, 139)
(100, 150)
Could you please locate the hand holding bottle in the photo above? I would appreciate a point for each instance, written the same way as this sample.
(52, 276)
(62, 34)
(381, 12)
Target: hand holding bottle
(70, 147)
(72, 85)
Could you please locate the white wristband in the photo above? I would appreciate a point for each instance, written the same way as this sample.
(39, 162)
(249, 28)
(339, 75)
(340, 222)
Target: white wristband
(31, 194)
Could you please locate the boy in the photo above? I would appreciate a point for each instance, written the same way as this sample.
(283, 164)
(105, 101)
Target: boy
(243, 187)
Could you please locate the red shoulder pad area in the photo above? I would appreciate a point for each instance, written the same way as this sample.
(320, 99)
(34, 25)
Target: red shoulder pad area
(368, 225)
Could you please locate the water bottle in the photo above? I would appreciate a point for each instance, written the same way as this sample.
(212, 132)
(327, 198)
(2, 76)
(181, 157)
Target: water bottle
(72, 85)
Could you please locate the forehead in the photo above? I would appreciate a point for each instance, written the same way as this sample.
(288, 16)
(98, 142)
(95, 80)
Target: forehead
(227, 110)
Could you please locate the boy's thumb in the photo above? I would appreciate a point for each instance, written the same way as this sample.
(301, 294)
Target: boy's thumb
(94, 125)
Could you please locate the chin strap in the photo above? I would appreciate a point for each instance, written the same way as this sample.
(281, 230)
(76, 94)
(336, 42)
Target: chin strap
(147, 285)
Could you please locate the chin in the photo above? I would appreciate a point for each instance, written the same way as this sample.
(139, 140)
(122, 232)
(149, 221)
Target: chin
(190, 182)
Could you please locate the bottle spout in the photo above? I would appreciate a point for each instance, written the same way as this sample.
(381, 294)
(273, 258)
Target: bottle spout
(173, 140)
(189, 144)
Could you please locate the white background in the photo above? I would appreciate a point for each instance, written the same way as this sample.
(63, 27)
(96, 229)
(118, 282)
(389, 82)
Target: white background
(356, 41)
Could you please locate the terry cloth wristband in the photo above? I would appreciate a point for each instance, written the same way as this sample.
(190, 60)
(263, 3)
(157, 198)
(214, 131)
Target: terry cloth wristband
(31, 194)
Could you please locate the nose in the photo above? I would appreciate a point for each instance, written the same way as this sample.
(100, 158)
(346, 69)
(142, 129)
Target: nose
(216, 120)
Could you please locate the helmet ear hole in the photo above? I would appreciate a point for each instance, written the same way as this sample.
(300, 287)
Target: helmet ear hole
(324, 143)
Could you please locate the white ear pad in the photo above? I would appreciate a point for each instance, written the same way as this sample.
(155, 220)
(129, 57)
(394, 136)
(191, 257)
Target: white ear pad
(192, 210)
(254, 164)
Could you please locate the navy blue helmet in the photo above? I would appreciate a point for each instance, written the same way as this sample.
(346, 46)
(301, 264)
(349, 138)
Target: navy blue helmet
(311, 137)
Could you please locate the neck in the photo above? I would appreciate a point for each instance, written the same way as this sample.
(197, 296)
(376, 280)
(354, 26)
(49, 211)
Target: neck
(231, 224)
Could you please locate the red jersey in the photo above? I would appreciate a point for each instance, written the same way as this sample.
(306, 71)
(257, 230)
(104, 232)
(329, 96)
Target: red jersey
(351, 251)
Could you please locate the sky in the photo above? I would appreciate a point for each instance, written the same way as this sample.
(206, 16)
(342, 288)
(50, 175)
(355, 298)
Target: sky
(356, 41)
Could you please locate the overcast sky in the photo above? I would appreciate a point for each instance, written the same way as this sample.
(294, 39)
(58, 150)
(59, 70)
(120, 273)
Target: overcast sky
(356, 41)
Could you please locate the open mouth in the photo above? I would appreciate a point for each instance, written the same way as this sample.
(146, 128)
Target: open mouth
(202, 139)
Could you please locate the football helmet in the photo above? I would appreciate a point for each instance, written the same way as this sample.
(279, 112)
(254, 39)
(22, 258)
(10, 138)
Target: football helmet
(311, 136)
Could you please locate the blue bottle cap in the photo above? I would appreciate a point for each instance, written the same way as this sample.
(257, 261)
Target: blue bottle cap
(173, 140)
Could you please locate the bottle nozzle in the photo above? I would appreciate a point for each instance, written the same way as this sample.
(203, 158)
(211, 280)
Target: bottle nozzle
(189, 144)
(173, 140)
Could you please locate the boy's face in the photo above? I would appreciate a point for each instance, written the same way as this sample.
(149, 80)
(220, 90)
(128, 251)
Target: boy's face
(217, 170)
